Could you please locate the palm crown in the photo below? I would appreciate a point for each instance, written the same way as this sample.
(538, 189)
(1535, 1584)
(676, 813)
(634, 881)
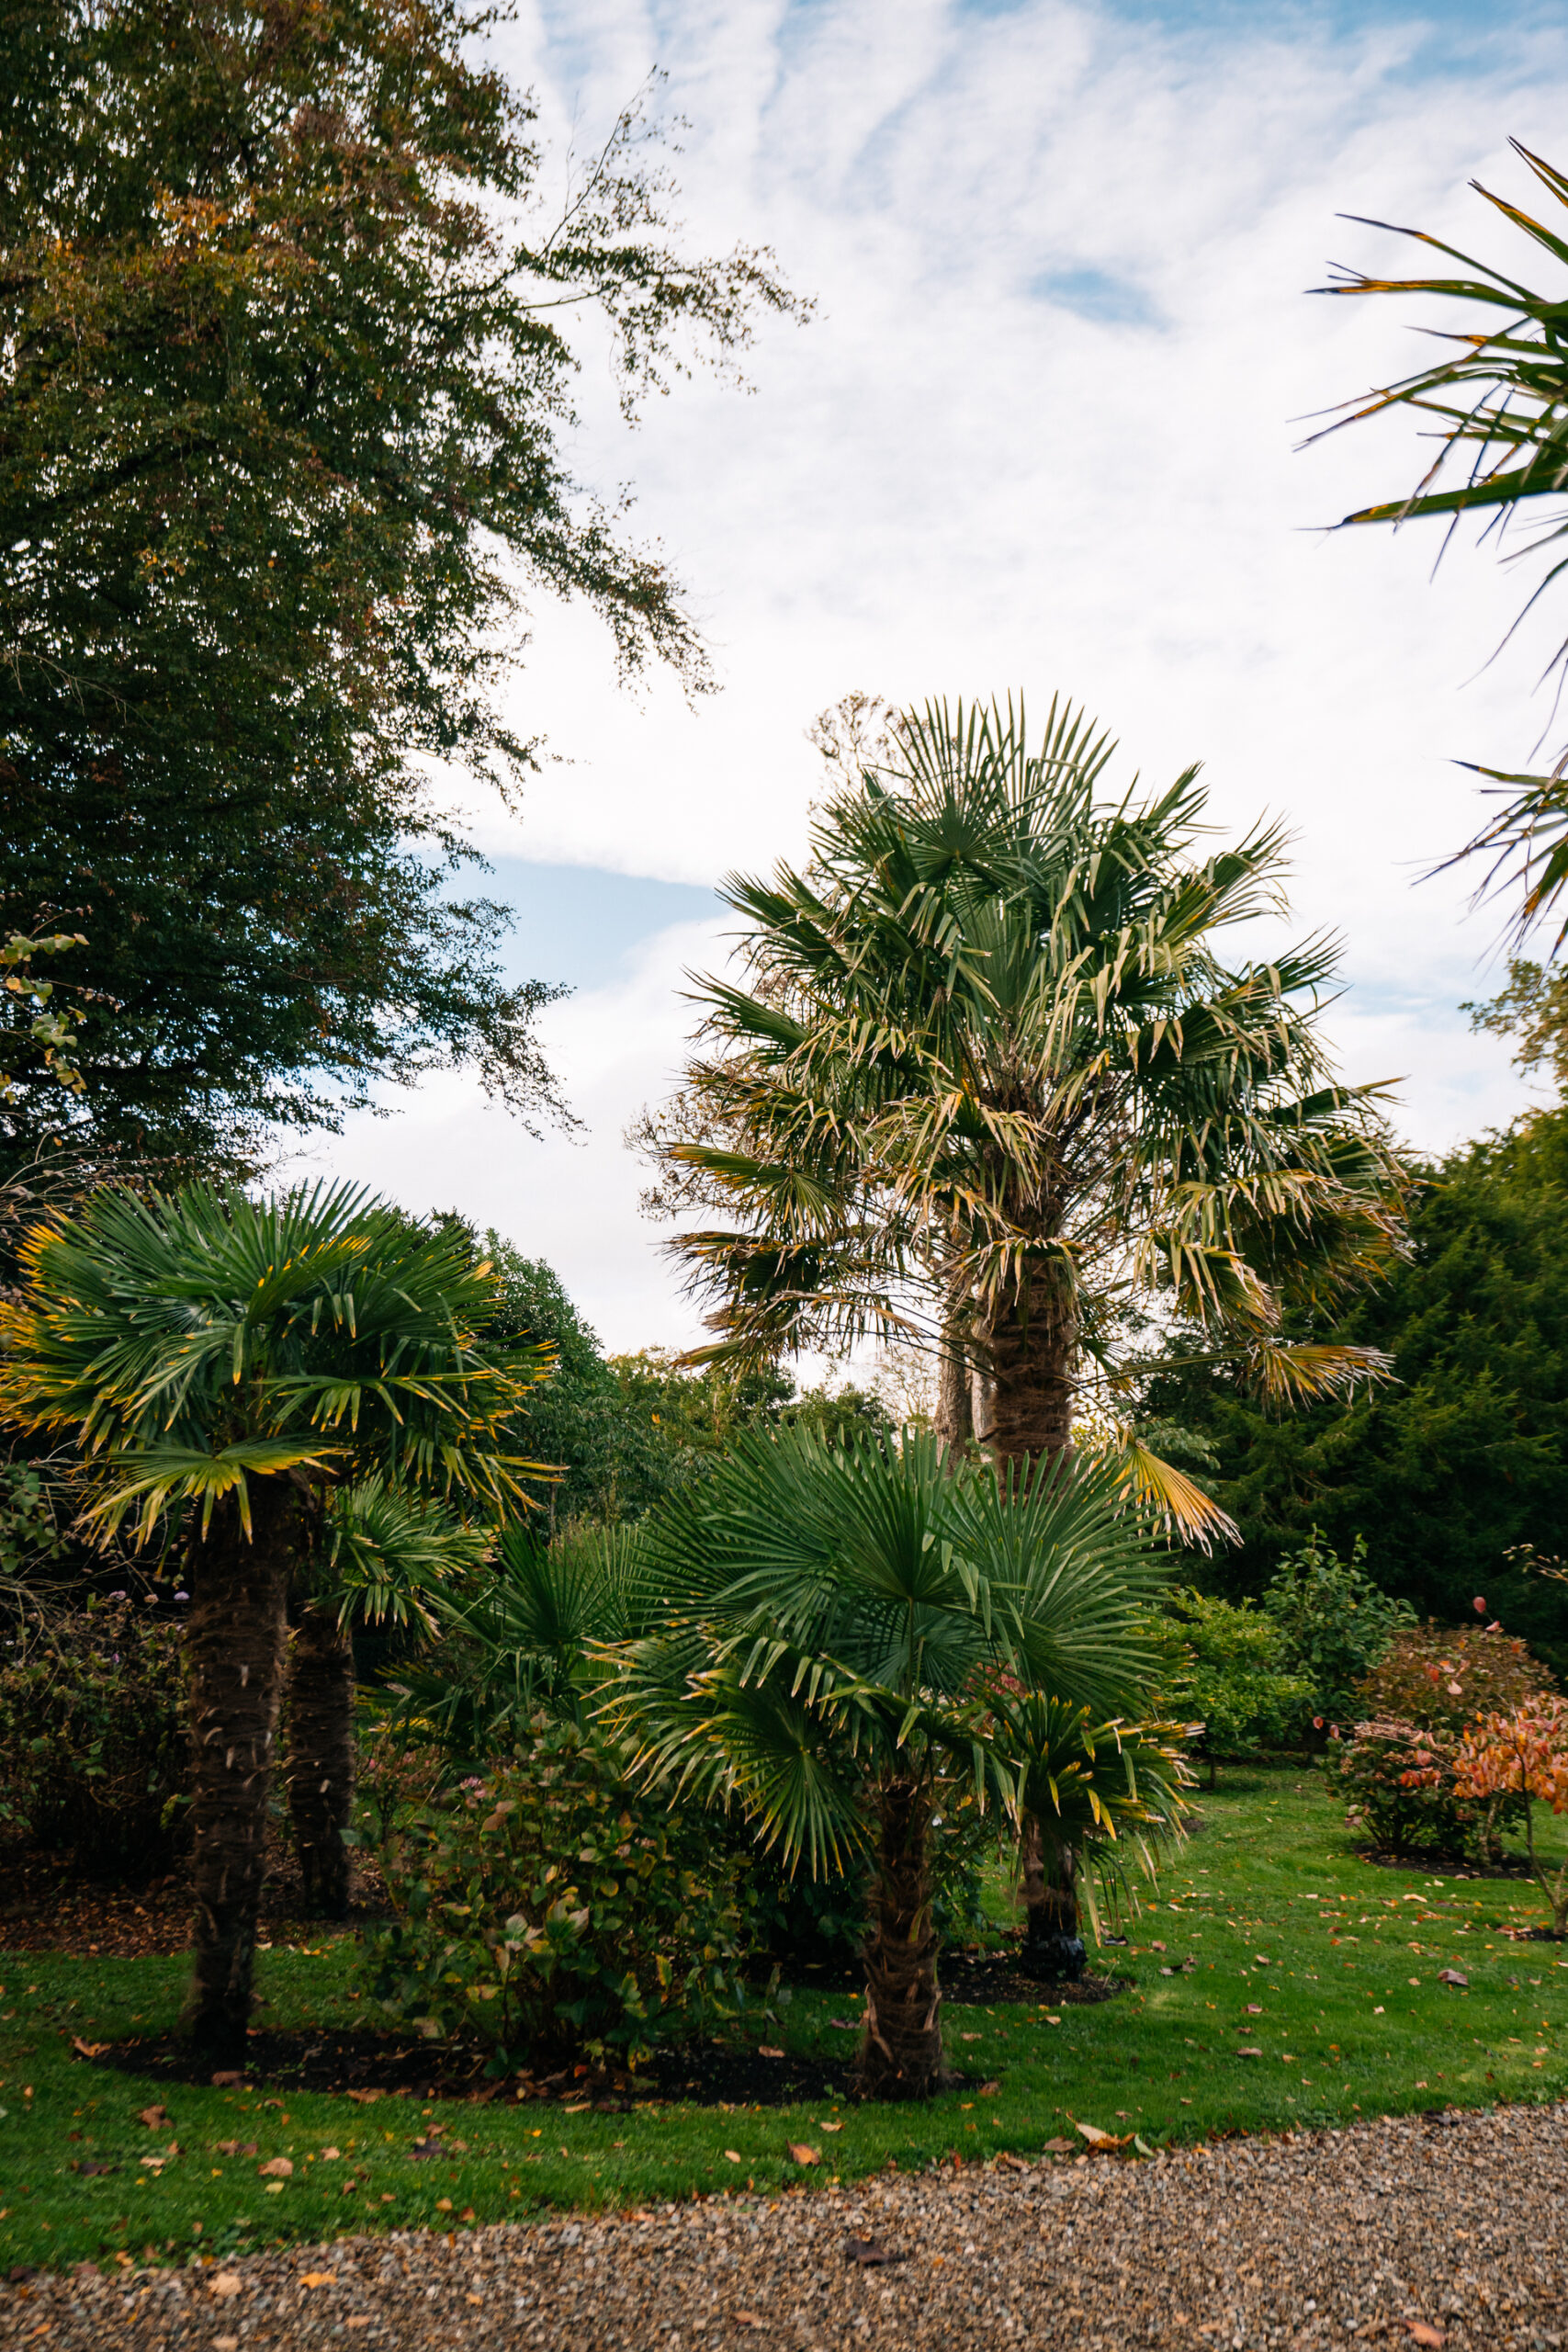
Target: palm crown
(990, 1068)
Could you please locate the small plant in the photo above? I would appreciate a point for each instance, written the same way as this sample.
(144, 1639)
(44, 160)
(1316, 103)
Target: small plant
(1337, 1622)
(1397, 1769)
(1232, 1679)
(94, 1754)
(1523, 1754)
(558, 1911)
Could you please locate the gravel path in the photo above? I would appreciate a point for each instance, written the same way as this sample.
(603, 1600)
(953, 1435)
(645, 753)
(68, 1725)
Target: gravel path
(1424, 2231)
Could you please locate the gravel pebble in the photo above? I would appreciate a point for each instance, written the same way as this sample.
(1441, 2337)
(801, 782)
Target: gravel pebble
(1420, 2229)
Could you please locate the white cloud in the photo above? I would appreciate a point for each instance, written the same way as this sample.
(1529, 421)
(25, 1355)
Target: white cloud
(950, 483)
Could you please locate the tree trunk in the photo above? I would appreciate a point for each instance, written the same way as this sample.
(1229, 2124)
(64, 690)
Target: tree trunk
(1052, 1946)
(322, 1758)
(1030, 1340)
(900, 2053)
(953, 1422)
(234, 1644)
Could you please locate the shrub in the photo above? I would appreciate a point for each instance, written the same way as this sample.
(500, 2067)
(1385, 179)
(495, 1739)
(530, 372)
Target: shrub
(1337, 1622)
(1233, 1678)
(557, 1910)
(1523, 1754)
(1397, 1769)
(94, 1753)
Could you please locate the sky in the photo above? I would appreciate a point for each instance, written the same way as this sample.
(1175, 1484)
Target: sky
(1040, 434)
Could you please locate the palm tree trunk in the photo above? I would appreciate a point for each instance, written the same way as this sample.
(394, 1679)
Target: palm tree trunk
(952, 1420)
(234, 1644)
(322, 1758)
(1031, 1339)
(1053, 1946)
(901, 2053)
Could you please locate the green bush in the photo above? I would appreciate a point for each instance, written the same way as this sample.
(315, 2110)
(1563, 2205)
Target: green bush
(1233, 1678)
(804, 1922)
(1337, 1622)
(557, 1910)
(93, 1752)
(1394, 1772)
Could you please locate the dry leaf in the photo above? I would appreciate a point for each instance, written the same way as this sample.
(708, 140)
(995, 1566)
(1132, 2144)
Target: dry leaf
(357, 2319)
(732, 2155)
(579, 2106)
(229, 2079)
(154, 2118)
(1248, 2051)
(444, 2204)
(803, 2154)
(1420, 2333)
(1099, 2139)
(88, 2049)
(845, 2025)
(330, 2156)
(1051, 2021)
(1058, 2147)
(749, 2319)
(276, 2168)
(870, 2253)
(968, 2037)
(94, 2171)
(829, 2127)
(988, 2090)
(366, 2099)
(1453, 1976)
(275, 2187)
(226, 2283)
(763, 2051)
(234, 2147)
(1255, 2008)
(319, 2278)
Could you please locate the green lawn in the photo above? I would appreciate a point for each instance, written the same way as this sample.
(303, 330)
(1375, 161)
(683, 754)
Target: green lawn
(1341, 1960)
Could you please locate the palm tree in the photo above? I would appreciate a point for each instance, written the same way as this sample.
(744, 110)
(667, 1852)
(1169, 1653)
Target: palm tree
(835, 1619)
(382, 1554)
(1499, 396)
(1089, 1790)
(234, 1361)
(991, 1085)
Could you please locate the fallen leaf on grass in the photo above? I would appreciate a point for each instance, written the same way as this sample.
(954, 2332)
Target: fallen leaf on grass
(154, 2117)
(845, 2025)
(1099, 2139)
(88, 2049)
(968, 2037)
(234, 2147)
(227, 2283)
(330, 2156)
(1421, 2334)
(276, 2168)
(1452, 1976)
(1248, 2050)
(732, 2155)
(365, 2098)
(1255, 2008)
(870, 2253)
(829, 2127)
(988, 2090)
(228, 2078)
(763, 2051)
(579, 2106)
(1058, 2147)
(802, 2154)
(424, 2149)
(93, 2171)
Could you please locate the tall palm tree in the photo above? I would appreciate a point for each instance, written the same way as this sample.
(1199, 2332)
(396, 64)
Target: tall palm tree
(1498, 396)
(991, 1082)
(835, 1620)
(234, 1361)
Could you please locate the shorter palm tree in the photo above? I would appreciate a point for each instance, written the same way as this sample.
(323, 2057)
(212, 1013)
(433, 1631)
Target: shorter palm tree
(834, 1619)
(234, 1362)
(1090, 1791)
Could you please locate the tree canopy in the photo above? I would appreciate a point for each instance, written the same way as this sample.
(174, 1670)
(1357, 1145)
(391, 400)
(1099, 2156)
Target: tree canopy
(286, 376)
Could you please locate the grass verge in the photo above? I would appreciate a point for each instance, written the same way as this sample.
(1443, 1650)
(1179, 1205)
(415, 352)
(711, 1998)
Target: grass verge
(1287, 1944)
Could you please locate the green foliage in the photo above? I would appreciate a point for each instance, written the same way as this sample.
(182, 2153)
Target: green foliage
(1463, 1454)
(94, 1754)
(1233, 1678)
(807, 1920)
(557, 1910)
(1395, 1771)
(1337, 1622)
(193, 1342)
(1499, 397)
(284, 401)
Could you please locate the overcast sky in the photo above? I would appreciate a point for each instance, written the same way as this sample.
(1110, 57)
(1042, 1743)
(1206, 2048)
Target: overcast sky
(1040, 435)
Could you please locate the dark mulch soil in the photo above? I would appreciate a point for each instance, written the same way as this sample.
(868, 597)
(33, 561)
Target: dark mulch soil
(370, 2067)
(1001, 1978)
(1424, 1858)
(48, 1907)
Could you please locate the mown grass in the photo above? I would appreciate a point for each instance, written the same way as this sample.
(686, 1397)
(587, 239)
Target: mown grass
(1268, 1901)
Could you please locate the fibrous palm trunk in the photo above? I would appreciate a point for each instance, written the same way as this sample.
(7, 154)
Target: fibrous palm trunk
(234, 1644)
(952, 1420)
(901, 2053)
(322, 1758)
(1029, 1339)
(1053, 1946)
